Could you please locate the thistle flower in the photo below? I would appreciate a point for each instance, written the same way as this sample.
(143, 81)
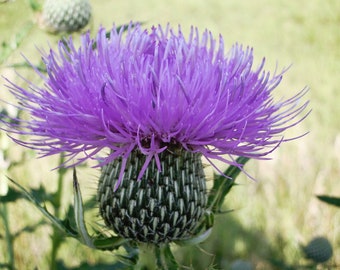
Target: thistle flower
(158, 101)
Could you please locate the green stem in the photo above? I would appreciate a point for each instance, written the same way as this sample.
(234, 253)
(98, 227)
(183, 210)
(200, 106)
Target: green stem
(156, 257)
(56, 242)
(57, 199)
(56, 237)
(8, 236)
(165, 259)
(146, 258)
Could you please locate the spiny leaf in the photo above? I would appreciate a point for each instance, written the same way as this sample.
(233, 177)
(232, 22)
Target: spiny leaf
(195, 240)
(202, 232)
(79, 213)
(108, 243)
(42, 208)
(99, 242)
(223, 184)
(329, 199)
(131, 257)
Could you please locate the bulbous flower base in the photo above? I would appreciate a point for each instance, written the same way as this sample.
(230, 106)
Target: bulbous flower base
(163, 206)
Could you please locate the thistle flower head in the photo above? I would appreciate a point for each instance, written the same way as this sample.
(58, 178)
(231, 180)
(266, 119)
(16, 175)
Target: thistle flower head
(153, 91)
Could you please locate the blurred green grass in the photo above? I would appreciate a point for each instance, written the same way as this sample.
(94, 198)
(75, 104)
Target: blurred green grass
(280, 211)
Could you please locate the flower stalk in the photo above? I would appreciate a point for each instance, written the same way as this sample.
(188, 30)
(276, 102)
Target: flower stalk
(146, 256)
(155, 255)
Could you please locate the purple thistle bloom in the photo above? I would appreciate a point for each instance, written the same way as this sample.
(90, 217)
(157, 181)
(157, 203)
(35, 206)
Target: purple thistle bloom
(154, 90)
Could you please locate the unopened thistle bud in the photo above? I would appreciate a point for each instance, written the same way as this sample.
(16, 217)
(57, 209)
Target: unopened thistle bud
(319, 250)
(66, 15)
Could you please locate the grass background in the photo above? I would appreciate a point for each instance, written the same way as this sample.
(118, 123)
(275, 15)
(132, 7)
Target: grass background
(272, 216)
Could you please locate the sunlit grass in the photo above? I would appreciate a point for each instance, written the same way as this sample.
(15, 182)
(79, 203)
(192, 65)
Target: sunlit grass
(272, 216)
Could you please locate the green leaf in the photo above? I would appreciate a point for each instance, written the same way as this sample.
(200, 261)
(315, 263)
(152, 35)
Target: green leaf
(69, 220)
(164, 258)
(99, 242)
(39, 194)
(195, 240)
(329, 199)
(201, 233)
(79, 213)
(223, 184)
(131, 257)
(108, 243)
(42, 208)
(68, 223)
